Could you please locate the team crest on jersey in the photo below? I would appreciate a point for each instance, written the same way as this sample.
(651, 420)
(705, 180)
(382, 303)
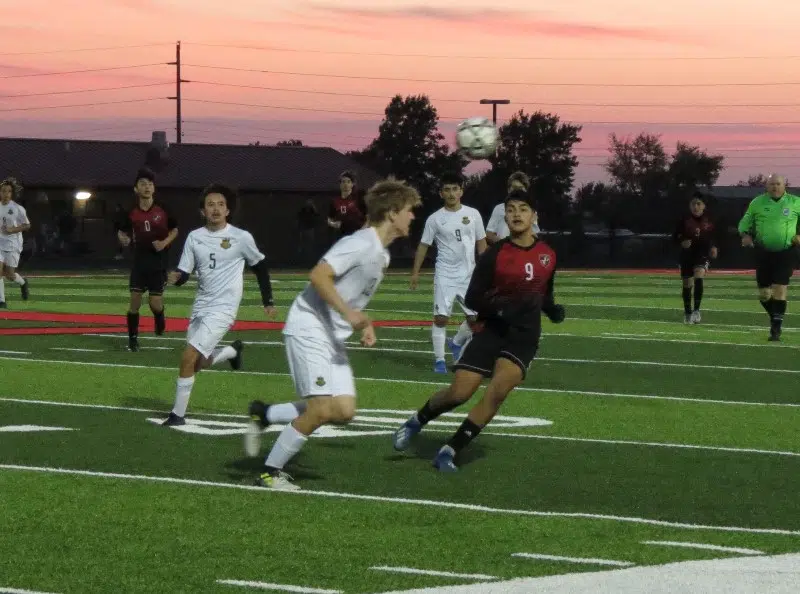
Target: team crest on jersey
(320, 381)
(156, 218)
(465, 220)
(226, 243)
(786, 212)
(544, 259)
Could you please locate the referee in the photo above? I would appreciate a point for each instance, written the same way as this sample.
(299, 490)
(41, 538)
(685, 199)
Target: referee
(770, 225)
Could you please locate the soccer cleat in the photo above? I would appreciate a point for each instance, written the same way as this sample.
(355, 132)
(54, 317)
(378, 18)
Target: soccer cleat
(402, 437)
(133, 344)
(3, 305)
(236, 362)
(444, 460)
(255, 427)
(173, 420)
(24, 289)
(455, 349)
(440, 367)
(696, 317)
(279, 481)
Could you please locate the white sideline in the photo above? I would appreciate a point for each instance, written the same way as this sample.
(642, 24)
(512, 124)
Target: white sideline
(698, 545)
(277, 587)
(401, 500)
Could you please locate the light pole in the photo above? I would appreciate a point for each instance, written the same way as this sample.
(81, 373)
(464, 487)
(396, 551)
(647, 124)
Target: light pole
(494, 103)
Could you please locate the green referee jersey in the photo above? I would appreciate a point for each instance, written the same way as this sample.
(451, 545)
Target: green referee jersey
(772, 223)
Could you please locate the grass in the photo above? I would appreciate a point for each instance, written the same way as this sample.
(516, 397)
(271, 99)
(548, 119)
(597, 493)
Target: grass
(631, 427)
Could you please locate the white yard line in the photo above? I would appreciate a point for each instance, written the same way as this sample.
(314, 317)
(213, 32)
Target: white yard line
(76, 350)
(422, 383)
(20, 591)
(400, 500)
(583, 560)
(15, 352)
(277, 587)
(697, 545)
(368, 423)
(448, 574)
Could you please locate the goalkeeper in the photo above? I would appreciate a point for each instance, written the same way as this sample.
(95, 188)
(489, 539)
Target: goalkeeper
(511, 287)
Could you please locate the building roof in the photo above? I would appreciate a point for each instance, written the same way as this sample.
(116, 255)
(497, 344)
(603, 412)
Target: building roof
(742, 192)
(105, 163)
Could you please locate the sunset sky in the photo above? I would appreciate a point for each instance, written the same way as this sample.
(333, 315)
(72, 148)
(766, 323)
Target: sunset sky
(723, 75)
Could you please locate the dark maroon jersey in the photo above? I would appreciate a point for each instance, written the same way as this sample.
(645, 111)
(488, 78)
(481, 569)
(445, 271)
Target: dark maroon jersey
(512, 284)
(700, 230)
(351, 212)
(145, 227)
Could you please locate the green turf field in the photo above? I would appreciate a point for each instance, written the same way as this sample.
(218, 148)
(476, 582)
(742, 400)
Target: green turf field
(632, 431)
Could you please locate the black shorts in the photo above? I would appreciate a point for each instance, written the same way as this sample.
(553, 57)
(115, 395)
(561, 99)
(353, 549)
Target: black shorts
(488, 345)
(690, 261)
(148, 280)
(775, 268)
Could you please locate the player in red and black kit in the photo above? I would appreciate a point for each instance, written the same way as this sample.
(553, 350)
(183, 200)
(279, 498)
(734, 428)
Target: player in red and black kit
(511, 286)
(695, 234)
(348, 212)
(151, 229)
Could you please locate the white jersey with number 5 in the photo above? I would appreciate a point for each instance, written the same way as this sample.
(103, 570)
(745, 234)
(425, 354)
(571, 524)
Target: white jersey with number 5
(455, 234)
(218, 258)
(358, 261)
(11, 215)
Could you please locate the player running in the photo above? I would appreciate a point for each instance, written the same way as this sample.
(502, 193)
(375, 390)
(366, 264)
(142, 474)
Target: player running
(319, 322)
(217, 252)
(496, 228)
(151, 229)
(770, 225)
(511, 287)
(695, 235)
(457, 230)
(13, 222)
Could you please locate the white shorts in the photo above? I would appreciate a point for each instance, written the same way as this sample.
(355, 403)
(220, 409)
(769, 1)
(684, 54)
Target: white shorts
(207, 330)
(319, 367)
(444, 296)
(10, 259)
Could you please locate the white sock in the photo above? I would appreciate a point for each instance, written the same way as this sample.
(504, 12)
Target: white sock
(463, 334)
(18, 279)
(221, 354)
(182, 393)
(285, 412)
(439, 336)
(2, 290)
(290, 441)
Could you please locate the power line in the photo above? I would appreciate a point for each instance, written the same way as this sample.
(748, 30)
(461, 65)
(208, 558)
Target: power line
(84, 104)
(459, 118)
(82, 71)
(474, 101)
(488, 82)
(83, 49)
(484, 57)
(82, 91)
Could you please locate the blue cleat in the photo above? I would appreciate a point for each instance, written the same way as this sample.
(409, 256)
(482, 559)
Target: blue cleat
(402, 437)
(443, 462)
(440, 367)
(454, 349)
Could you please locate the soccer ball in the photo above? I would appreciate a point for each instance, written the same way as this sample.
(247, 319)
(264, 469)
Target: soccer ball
(477, 138)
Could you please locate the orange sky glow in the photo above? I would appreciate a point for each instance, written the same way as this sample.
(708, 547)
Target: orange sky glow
(722, 75)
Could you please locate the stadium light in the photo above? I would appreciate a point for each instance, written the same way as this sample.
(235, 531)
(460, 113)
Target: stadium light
(82, 195)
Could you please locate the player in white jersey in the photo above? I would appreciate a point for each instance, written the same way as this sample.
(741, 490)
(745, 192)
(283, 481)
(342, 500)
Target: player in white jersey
(319, 322)
(217, 252)
(13, 221)
(496, 228)
(457, 230)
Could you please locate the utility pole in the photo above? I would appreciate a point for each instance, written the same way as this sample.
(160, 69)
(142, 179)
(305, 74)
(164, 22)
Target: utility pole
(494, 103)
(177, 97)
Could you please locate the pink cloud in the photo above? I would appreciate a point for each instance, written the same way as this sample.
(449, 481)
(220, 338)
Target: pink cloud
(501, 22)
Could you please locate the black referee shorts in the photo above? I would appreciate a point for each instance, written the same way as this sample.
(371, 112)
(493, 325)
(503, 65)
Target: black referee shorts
(488, 345)
(775, 268)
(145, 279)
(691, 260)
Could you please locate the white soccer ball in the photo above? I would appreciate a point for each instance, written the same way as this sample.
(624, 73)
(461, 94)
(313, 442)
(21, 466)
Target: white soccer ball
(477, 138)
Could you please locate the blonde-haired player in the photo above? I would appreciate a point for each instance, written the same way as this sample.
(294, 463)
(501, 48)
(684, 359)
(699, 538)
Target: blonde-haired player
(319, 322)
